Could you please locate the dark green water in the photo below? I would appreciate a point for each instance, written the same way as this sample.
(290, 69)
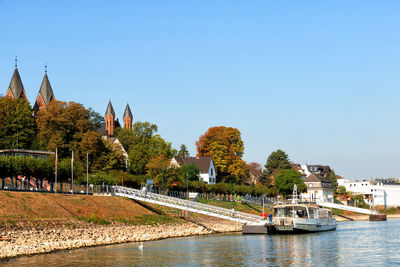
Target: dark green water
(352, 244)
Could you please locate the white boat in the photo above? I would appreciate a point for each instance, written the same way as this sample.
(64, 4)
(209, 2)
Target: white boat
(300, 218)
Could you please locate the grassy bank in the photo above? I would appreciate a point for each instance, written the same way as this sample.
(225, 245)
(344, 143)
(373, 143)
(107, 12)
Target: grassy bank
(19, 209)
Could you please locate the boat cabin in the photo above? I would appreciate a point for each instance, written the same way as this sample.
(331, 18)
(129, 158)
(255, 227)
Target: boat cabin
(301, 211)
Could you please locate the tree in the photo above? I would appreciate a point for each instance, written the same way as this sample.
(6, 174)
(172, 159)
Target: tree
(225, 146)
(183, 152)
(286, 179)
(331, 176)
(17, 123)
(143, 144)
(191, 171)
(160, 170)
(342, 189)
(95, 119)
(256, 173)
(61, 124)
(277, 160)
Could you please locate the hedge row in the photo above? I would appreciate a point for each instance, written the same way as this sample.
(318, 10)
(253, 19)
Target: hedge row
(26, 166)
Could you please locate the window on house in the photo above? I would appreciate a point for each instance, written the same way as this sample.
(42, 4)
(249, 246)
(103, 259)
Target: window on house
(212, 172)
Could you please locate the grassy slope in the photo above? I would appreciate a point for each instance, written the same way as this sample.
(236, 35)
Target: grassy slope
(250, 208)
(28, 209)
(23, 207)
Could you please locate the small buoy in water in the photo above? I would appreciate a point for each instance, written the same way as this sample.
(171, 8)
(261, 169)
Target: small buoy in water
(141, 246)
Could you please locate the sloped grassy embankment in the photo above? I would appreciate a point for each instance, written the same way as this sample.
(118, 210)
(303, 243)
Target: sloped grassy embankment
(32, 223)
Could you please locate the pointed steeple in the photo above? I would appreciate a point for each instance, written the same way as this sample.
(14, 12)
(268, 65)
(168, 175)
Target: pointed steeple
(110, 119)
(128, 118)
(45, 94)
(16, 89)
(110, 109)
(128, 113)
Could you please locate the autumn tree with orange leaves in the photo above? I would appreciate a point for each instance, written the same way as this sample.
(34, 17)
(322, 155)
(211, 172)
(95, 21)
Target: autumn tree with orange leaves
(225, 146)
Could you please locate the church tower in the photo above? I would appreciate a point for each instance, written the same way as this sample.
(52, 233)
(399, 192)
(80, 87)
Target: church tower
(128, 118)
(45, 94)
(16, 89)
(110, 119)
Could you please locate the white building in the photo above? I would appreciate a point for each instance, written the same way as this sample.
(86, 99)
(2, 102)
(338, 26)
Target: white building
(205, 164)
(379, 194)
(318, 189)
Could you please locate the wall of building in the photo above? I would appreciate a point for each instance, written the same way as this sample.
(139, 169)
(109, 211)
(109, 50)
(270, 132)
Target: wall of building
(316, 193)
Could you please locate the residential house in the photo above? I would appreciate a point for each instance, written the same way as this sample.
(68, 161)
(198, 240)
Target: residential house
(318, 189)
(205, 164)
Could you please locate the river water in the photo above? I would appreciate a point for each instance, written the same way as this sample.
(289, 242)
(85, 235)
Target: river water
(352, 244)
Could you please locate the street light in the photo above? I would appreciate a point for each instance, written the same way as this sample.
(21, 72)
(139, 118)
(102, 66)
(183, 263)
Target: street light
(187, 184)
(162, 181)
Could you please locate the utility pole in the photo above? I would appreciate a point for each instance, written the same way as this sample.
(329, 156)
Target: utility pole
(55, 174)
(187, 184)
(162, 181)
(72, 172)
(87, 173)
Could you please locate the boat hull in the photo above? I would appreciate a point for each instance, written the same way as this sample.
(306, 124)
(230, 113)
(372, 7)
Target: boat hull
(302, 226)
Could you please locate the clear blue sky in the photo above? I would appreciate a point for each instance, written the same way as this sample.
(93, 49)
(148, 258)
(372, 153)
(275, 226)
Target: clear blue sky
(318, 79)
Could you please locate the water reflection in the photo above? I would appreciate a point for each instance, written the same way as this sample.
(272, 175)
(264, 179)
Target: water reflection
(353, 244)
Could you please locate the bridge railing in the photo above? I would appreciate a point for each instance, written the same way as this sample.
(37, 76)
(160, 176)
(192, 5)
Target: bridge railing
(348, 208)
(186, 204)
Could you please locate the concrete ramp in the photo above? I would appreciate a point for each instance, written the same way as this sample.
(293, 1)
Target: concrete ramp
(232, 215)
(348, 208)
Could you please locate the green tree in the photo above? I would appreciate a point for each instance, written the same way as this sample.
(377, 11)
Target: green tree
(183, 152)
(191, 171)
(277, 160)
(331, 176)
(17, 123)
(285, 181)
(95, 119)
(159, 169)
(342, 189)
(225, 146)
(143, 144)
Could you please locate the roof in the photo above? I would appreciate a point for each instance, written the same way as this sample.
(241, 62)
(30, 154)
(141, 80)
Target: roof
(16, 87)
(313, 178)
(128, 112)
(102, 128)
(46, 92)
(27, 151)
(202, 162)
(110, 109)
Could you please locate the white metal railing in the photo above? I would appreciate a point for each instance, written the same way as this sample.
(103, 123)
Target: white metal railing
(348, 208)
(191, 206)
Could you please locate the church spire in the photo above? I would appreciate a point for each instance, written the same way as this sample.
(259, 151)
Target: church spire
(110, 119)
(16, 89)
(128, 118)
(45, 94)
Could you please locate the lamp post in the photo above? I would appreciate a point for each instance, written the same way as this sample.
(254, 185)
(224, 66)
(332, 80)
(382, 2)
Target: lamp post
(87, 173)
(187, 184)
(162, 181)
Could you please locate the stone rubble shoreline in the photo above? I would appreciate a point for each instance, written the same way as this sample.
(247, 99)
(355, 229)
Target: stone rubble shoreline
(15, 243)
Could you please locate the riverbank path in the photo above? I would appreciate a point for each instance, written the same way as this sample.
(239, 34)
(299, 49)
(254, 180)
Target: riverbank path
(232, 215)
